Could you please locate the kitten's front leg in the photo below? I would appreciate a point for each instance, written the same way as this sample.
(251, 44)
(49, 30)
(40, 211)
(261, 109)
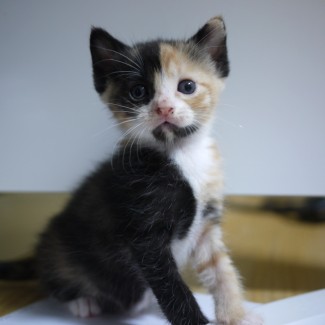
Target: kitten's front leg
(160, 270)
(217, 273)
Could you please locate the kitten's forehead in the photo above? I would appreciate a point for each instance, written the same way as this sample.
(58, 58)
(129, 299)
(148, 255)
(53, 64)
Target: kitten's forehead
(171, 58)
(182, 58)
(147, 57)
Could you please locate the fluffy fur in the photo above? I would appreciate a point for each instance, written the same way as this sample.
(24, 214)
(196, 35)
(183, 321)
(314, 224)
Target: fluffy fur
(156, 204)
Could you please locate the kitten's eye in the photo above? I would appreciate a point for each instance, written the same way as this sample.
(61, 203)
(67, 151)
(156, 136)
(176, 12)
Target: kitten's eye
(138, 92)
(186, 87)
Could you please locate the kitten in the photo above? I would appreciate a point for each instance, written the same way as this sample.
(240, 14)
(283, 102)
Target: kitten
(156, 204)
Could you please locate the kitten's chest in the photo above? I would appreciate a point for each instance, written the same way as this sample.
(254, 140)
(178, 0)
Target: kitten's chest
(200, 165)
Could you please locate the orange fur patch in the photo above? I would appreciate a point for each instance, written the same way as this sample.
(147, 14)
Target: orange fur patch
(177, 65)
(213, 189)
(211, 263)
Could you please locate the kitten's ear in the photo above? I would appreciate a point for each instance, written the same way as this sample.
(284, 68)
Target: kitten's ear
(105, 51)
(213, 38)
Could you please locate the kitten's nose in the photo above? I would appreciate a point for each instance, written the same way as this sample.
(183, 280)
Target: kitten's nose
(165, 111)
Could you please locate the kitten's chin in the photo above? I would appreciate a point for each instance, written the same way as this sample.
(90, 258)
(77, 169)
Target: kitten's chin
(168, 132)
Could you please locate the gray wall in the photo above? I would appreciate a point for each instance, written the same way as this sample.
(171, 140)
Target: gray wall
(270, 124)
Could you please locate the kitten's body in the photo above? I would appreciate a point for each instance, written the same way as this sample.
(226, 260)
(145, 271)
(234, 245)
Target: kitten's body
(155, 206)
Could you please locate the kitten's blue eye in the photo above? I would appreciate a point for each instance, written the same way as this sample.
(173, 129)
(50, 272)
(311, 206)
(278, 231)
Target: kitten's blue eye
(186, 87)
(138, 92)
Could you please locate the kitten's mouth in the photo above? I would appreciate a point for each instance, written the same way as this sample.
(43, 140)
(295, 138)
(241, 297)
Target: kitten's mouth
(168, 131)
(168, 125)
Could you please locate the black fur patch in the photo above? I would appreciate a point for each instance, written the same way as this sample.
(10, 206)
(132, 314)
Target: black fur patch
(123, 67)
(115, 236)
(123, 81)
(159, 193)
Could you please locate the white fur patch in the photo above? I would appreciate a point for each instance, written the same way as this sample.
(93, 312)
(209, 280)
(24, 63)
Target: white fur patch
(84, 307)
(147, 299)
(194, 159)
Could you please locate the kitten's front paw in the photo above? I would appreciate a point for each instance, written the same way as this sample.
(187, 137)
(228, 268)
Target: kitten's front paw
(84, 307)
(251, 319)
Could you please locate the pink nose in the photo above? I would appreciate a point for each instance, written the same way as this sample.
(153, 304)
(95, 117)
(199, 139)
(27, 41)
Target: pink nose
(165, 111)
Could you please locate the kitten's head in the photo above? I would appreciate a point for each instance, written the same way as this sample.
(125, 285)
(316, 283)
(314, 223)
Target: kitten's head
(162, 90)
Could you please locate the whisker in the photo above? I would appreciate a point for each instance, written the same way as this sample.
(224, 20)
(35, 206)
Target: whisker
(138, 55)
(124, 73)
(133, 108)
(123, 137)
(113, 126)
(134, 138)
(129, 139)
(131, 103)
(130, 65)
(132, 113)
(139, 137)
(119, 53)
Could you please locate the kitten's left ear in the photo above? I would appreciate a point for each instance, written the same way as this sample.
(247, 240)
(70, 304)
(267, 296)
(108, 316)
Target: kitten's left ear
(213, 38)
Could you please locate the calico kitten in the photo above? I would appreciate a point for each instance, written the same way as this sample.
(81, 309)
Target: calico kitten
(156, 204)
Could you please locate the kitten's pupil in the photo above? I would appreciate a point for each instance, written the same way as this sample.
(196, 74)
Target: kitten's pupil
(138, 92)
(186, 87)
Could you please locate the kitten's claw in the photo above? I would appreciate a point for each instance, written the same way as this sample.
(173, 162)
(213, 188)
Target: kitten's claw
(84, 307)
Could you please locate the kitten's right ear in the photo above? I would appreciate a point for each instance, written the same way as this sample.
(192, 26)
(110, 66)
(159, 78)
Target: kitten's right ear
(104, 49)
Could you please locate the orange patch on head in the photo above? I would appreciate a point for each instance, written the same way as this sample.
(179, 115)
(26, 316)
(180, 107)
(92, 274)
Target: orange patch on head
(169, 57)
(177, 65)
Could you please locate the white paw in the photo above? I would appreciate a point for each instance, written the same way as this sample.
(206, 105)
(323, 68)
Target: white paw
(251, 319)
(143, 304)
(84, 307)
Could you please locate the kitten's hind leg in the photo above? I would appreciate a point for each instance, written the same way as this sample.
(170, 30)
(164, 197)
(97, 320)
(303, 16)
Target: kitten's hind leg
(84, 307)
(217, 273)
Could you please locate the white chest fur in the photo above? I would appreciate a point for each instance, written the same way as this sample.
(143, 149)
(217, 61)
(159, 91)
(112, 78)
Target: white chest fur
(197, 161)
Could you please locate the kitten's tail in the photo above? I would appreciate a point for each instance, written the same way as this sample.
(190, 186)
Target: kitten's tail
(20, 270)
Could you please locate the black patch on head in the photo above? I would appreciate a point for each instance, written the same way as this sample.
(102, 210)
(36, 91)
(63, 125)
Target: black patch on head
(178, 132)
(123, 67)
